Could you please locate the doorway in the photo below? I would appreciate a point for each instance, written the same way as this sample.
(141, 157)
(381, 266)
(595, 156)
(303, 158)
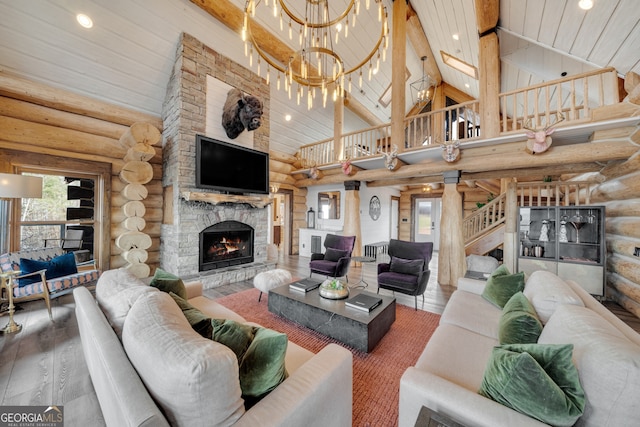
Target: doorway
(280, 219)
(426, 220)
(395, 217)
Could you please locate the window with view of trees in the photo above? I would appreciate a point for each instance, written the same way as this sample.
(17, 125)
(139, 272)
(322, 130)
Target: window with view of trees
(67, 203)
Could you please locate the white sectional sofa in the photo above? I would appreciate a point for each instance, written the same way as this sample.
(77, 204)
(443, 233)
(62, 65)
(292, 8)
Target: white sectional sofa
(447, 376)
(150, 368)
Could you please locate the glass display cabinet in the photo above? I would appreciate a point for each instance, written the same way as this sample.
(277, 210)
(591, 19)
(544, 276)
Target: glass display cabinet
(565, 240)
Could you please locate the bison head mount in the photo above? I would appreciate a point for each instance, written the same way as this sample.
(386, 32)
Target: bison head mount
(241, 112)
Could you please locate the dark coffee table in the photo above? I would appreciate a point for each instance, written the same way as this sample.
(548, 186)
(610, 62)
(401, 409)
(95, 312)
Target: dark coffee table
(355, 328)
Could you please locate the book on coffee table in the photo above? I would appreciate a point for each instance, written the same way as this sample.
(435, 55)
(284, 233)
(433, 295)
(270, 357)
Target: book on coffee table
(304, 285)
(363, 302)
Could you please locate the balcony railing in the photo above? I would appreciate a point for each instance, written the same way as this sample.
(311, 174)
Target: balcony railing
(574, 97)
(460, 122)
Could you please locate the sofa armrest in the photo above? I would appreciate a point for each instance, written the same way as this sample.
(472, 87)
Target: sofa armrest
(194, 289)
(420, 388)
(471, 285)
(318, 394)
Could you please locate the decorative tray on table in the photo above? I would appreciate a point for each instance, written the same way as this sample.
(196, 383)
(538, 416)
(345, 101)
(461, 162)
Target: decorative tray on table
(334, 289)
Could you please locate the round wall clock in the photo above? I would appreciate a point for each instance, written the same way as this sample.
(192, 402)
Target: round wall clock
(374, 208)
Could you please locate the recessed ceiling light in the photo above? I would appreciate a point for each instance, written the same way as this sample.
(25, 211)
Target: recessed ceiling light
(456, 36)
(585, 4)
(466, 85)
(288, 117)
(84, 20)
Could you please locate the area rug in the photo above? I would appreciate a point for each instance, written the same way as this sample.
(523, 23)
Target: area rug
(376, 375)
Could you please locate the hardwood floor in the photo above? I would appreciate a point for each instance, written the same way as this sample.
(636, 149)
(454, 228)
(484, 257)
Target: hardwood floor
(44, 363)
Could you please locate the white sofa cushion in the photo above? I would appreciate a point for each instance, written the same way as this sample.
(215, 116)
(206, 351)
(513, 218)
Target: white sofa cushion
(608, 364)
(546, 292)
(193, 379)
(471, 311)
(457, 355)
(116, 291)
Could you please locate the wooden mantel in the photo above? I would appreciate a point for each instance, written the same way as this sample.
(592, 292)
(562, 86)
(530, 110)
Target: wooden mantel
(216, 198)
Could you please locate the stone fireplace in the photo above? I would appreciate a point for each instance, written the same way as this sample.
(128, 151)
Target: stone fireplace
(226, 244)
(192, 228)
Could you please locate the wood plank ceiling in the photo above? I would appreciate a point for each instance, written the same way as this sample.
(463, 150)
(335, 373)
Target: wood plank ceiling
(127, 57)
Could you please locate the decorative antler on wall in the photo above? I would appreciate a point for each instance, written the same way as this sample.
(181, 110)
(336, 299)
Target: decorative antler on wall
(391, 159)
(346, 166)
(450, 151)
(314, 173)
(539, 139)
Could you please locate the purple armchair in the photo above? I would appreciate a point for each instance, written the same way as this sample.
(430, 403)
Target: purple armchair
(336, 258)
(408, 272)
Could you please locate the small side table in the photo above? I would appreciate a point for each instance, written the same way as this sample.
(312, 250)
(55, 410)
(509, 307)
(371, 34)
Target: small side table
(7, 283)
(363, 260)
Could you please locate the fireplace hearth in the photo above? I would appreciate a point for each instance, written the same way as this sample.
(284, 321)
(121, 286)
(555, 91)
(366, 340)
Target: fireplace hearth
(225, 244)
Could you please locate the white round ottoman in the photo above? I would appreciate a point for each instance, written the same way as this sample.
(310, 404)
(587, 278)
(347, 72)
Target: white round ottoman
(268, 280)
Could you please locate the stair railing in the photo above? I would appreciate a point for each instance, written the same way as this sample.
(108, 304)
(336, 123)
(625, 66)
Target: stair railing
(484, 219)
(560, 193)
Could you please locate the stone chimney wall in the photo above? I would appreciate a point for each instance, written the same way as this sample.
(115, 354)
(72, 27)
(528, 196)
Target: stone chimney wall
(184, 116)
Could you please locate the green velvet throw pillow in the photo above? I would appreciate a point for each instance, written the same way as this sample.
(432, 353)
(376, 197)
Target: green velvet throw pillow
(260, 352)
(262, 368)
(236, 336)
(538, 380)
(519, 323)
(200, 322)
(168, 282)
(501, 286)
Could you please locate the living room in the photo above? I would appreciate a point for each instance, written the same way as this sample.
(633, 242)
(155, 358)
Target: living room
(88, 131)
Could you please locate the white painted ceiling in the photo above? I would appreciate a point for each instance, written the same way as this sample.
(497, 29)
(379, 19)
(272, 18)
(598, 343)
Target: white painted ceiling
(127, 57)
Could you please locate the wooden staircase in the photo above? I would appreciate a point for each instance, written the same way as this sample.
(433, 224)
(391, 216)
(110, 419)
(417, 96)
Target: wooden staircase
(483, 230)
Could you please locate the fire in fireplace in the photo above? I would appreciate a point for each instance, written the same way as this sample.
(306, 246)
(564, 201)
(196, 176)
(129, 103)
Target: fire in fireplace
(225, 244)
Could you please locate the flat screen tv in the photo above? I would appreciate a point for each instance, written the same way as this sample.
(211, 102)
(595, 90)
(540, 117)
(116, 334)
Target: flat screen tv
(230, 168)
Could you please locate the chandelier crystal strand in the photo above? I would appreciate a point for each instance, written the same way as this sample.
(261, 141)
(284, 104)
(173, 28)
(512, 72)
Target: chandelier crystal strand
(316, 42)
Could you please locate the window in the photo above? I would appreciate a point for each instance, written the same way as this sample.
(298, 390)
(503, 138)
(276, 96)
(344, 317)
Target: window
(76, 196)
(67, 204)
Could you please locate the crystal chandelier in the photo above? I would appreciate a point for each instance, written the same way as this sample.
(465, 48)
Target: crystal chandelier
(421, 89)
(316, 65)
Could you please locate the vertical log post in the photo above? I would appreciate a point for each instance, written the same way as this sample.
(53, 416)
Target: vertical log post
(451, 256)
(352, 214)
(398, 56)
(487, 14)
(338, 119)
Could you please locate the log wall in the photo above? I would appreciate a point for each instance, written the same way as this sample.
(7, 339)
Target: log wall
(620, 194)
(37, 119)
(280, 168)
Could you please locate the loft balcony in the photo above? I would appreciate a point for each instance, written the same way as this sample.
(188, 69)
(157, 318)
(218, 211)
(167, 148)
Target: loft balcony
(581, 105)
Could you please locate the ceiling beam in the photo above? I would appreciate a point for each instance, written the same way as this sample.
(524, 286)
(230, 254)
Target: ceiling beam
(512, 157)
(418, 39)
(487, 15)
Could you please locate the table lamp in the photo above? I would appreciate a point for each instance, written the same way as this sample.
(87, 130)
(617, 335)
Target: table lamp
(13, 186)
